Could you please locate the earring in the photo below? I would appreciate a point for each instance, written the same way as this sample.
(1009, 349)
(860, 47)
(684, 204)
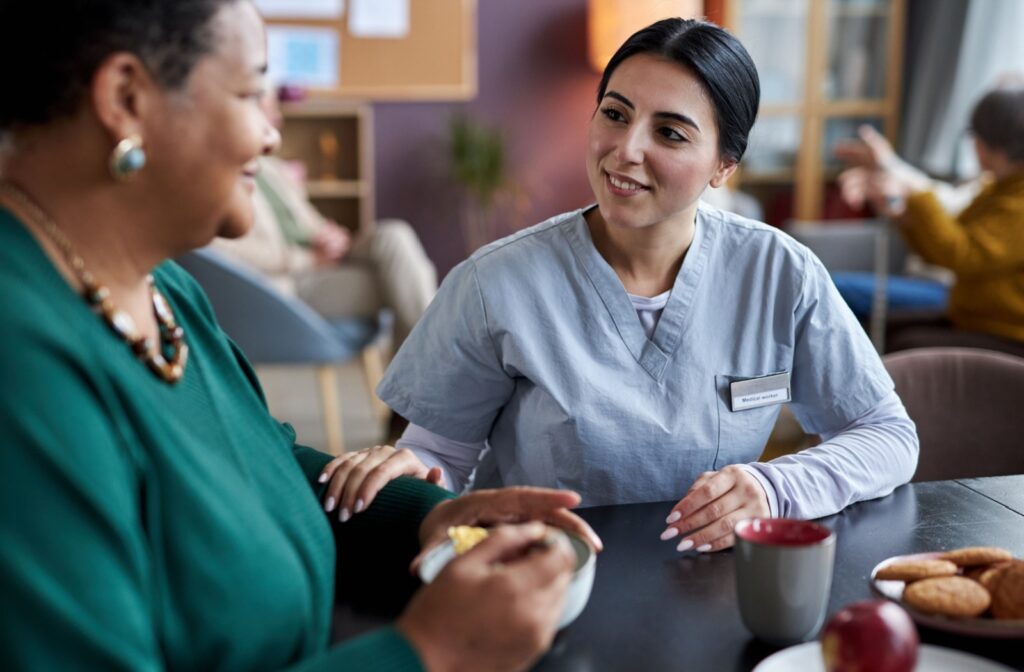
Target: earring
(127, 158)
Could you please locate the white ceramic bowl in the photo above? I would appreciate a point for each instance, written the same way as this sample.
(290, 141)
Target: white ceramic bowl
(575, 597)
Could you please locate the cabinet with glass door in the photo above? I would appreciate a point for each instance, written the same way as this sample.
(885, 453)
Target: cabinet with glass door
(826, 67)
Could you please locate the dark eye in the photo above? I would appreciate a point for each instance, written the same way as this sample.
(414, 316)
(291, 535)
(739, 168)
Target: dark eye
(612, 114)
(671, 134)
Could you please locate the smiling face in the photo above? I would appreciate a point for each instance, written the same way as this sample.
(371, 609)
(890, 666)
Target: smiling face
(205, 142)
(653, 145)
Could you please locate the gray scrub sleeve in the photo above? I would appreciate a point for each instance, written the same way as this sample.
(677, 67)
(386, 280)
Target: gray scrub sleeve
(448, 376)
(837, 375)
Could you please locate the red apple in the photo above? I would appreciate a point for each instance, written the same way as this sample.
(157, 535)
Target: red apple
(870, 636)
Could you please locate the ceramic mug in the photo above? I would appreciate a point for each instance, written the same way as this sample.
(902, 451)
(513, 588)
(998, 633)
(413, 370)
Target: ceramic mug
(783, 577)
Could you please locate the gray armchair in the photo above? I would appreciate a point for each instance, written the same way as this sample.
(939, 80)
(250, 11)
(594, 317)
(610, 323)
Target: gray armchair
(273, 328)
(966, 404)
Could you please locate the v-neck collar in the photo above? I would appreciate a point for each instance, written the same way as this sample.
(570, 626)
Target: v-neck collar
(652, 354)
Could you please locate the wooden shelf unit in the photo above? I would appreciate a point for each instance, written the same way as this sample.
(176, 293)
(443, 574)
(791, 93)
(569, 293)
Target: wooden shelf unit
(334, 140)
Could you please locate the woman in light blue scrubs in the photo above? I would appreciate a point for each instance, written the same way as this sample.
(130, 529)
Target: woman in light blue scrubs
(640, 349)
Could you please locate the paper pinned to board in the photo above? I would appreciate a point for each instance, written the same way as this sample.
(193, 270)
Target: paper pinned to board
(303, 56)
(378, 18)
(301, 9)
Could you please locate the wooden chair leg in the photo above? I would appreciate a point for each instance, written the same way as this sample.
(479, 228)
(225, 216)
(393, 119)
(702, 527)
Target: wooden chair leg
(327, 378)
(373, 371)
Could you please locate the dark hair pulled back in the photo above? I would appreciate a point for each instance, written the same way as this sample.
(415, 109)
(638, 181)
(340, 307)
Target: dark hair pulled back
(720, 62)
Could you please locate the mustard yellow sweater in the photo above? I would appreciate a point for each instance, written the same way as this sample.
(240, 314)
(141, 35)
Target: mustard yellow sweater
(984, 246)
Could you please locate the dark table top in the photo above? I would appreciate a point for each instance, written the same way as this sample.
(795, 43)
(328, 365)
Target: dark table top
(653, 608)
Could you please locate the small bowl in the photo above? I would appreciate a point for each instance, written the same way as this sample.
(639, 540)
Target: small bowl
(575, 597)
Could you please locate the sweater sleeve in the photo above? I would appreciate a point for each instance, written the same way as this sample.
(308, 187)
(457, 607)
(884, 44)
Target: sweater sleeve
(382, 650)
(376, 546)
(987, 237)
(75, 571)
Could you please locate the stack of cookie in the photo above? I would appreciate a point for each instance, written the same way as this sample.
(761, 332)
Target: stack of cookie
(964, 583)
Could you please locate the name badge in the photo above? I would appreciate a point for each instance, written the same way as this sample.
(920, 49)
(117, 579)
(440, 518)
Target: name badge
(762, 391)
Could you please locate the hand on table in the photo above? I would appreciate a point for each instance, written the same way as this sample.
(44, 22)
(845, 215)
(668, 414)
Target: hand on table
(357, 477)
(505, 505)
(716, 501)
(494, 607)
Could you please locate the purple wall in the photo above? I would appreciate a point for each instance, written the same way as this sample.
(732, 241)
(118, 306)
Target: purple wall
(534, 84)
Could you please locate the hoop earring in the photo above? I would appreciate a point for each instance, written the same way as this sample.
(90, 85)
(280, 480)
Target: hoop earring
(127, 158)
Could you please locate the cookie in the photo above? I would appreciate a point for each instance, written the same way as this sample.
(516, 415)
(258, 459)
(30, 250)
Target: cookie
(948, 596)
(986, 574)
(1008, 598)
(977, 555)
(915, 570)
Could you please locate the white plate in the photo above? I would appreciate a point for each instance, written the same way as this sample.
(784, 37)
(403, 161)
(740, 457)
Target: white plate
(807, 658)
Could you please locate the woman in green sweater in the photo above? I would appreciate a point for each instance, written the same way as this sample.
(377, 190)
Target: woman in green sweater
(154, 516)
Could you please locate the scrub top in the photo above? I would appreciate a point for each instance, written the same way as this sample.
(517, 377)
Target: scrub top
(533, 345)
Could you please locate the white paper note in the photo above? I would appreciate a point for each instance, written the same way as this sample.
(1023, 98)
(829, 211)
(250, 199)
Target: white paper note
(378, 18)
(301, 9)
(303, 56)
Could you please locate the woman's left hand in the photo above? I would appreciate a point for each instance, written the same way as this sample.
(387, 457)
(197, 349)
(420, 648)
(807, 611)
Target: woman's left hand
(356, 478)
(505, 505)
(716, 501)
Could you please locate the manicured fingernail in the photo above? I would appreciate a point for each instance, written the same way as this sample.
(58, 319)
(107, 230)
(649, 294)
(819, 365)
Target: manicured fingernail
(704, 548)
(685, 545)
(323, 478)
(344, 515)
(359, 505)
(329, 504)
(673, 517)
(669, 533)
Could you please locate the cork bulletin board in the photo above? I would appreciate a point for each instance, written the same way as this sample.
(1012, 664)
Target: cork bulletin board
(435, 60)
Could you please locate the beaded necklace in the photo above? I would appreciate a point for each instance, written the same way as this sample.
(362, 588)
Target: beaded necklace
(172, 337)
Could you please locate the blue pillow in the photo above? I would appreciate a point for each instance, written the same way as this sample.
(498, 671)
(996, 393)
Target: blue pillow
(858, 290)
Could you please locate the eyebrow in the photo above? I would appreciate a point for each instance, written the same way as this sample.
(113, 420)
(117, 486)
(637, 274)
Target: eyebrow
(675, 116)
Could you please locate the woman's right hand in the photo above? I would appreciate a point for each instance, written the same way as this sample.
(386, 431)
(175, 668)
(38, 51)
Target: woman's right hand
(496, 606)
(357, 477)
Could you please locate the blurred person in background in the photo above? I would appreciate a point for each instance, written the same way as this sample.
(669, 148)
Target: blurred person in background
(309, 256)
(975, 231)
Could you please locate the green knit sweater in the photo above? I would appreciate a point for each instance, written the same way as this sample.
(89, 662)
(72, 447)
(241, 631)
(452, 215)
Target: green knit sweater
(145, 526)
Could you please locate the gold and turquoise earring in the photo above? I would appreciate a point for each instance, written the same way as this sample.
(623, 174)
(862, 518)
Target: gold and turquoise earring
(127, 158)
